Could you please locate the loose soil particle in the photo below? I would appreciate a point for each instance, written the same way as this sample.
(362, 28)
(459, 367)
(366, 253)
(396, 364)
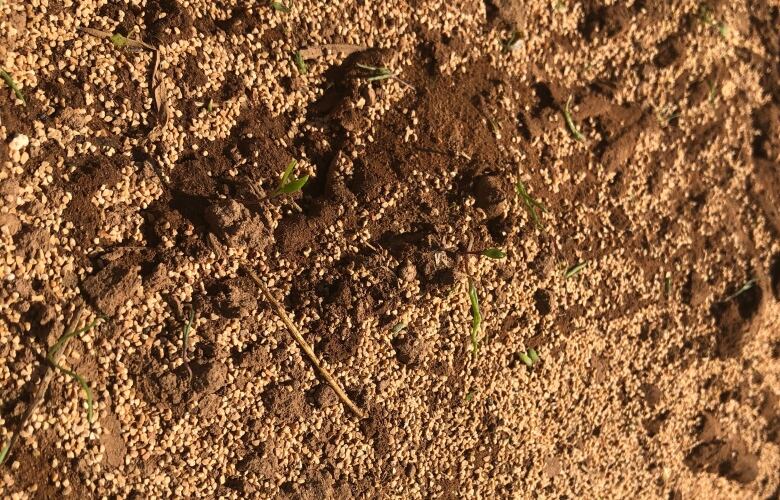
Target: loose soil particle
(653, 380)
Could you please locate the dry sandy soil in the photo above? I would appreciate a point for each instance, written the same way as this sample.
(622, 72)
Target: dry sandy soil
(137, 182)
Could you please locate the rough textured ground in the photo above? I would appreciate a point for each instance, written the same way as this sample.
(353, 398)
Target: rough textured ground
(655, 379)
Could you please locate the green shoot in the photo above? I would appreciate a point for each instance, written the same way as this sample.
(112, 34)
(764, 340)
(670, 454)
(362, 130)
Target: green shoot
(54, 351)
(513, 43)
(185, 340)
(300, 63)
(476, 318)
(493, 253)
(118, 40)
(470, 396)
(289, 184)
(11, 83)
(747, 286)
(668, 285)
(381, 73)
(570, 122)
(531, 205)
(529, 358)
(279, 7)
(713, 89)
(399, 327)
(4, 451)
(575, 269)
(210, 105)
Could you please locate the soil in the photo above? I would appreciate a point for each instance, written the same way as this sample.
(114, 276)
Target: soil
(659, 369)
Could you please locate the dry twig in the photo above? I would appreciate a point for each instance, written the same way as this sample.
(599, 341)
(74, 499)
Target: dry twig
(279, 309)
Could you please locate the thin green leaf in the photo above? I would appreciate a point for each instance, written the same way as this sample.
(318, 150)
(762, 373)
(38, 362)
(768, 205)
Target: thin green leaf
(526, 359)
(747, 286)
(185, 341)
(398, 327)
(476, 318)
(118, 40)
(293, 186)
(280, 7)
(493, 253)
(4, 451)
(287, 172)
(575, 269)
(300, 63)
(532, 206)
(11, 83)
(570, 122)
(55, 349)
(470, 396)
(533, 355)
(210, 106)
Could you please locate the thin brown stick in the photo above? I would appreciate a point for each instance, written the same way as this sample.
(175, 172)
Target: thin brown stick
(279, 309)
(43, 385)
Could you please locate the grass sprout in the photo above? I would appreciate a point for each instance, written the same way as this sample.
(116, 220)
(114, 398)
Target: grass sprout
(493, 253)
(476, 318)
(531, 205)
(300, 63)
(575, 269)
(747, 286)
(185, 335)
(513, 43)
(570, 122)
(51, 356)
(4, 451)
(713, 91)
(381, 73)
(210, 105)
(279, 7)
(529, 358)
(289, 184)
(8, 79)
(470, 396)
(399, 327)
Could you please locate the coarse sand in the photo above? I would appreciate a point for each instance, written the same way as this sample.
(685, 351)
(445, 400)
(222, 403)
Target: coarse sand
(624, 155)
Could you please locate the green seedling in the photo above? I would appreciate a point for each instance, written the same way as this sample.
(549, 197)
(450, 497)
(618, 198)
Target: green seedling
(493, 253)
(470, 396)
(288, 183)
(399, 327)
(575, 269)
(185, 335)
(210, 105)
(300, 63)
(51, 357)
(279, 7)
(381, 73)
(713, 89)
(570, 122)
(513, 42)
(476, 318)
(118, 40)
(668, 285)
(529, 358)
(8, 79)
(706, 17)
(531, 205)
(747, 286)
(666, 115)
(4, 451)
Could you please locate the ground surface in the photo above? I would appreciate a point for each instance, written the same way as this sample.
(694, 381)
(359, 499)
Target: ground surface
(141, 194)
